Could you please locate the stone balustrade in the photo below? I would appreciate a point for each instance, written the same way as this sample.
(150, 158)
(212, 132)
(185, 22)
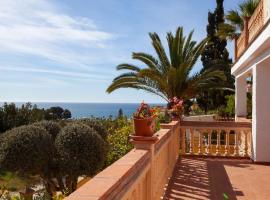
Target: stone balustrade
(231, 139)
(252, 27)
(142, 174)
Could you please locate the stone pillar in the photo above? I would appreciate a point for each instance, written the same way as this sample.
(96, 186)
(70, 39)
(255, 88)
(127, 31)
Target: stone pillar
(261, 112)
(147, 143)
(241, 97)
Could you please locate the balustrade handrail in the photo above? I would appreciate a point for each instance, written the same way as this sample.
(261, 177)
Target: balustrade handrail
(197, 138)
(216, 124)
(253, 26)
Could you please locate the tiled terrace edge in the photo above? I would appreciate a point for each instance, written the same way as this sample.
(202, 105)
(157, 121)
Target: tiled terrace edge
(141, 174)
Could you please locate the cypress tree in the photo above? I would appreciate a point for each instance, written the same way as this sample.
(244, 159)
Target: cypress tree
(215, 50)
(216, 56)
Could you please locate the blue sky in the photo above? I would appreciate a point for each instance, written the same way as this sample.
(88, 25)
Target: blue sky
(66, 50)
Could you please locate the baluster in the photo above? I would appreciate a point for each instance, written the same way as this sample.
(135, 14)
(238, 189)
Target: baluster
(246, 144)
(236, 147)
(200, 141)
(218, 142)
(209, 133)
(183, 141)
(191, 141)
(227, 139)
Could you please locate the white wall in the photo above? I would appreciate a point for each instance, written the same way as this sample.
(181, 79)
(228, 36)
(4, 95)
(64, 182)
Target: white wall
(266, 10)
(261, 112)
(241, 96)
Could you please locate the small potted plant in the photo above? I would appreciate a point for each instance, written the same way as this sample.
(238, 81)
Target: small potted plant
(144, 120)
(175, 107)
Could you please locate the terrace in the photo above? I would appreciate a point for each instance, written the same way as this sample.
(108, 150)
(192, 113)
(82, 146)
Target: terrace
(184, 160)
(201, 158)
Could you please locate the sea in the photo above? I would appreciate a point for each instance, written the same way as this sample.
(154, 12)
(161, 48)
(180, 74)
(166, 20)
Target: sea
(84, 110)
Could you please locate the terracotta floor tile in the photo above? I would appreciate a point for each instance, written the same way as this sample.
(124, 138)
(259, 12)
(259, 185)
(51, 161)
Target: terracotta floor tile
(218, 179)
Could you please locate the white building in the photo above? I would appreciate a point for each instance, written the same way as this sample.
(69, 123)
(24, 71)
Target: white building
(252, 52)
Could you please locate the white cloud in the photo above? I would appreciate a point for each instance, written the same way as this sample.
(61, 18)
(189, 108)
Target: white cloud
(39, 28)
(53, 72)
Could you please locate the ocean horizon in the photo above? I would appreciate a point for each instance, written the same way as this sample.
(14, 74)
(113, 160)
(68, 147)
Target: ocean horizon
(84, 110)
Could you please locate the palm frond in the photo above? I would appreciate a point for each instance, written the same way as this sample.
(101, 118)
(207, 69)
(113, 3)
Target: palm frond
(126, 66)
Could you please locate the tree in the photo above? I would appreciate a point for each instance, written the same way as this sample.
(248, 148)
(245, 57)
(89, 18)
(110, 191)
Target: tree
(96, 125)
(66, 114)
(120, 113)
(27, 149)
(57, 157)
(235, 19)
(81, 151)
(54, 113)
(215, 56)
(168, 76)
(51, 127)
(215, 49)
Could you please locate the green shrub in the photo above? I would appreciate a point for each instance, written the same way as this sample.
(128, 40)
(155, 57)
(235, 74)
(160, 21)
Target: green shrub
(96, 125)
(51, 127)
(80, 150)
(26, 149)
(119, 144)
(230, 107)
(164, 117)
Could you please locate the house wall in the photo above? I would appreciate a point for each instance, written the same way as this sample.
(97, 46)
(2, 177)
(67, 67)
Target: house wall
(266, 10)
(261, 112)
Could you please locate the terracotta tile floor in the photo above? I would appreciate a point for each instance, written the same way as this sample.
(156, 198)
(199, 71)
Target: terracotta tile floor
(218, 179)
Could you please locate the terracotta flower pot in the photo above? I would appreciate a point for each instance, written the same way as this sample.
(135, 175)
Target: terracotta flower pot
(144, 127)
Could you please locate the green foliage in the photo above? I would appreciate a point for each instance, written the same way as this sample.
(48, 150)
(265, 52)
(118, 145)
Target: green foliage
(57, 156)
(215, 48)
(168, 76)
(81, 150)
(12, 116)
(56, 113)
(66, 114)
(216, 57)
(120, 113)
(27, 149)
(97, 125)
(119, 143)
(17, 181)
(164, 117)
(51, 127)
(235, 19)
(230, 108)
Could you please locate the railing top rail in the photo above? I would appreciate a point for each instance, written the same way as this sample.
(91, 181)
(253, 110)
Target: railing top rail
(115, 179)
(215, 125)
(255, 14)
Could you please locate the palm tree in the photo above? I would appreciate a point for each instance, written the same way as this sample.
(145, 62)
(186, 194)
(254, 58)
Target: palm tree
(168, 76)
(235, 19)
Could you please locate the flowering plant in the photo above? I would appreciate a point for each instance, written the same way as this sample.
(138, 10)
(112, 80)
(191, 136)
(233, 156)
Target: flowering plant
(145, 111)
(175, 106)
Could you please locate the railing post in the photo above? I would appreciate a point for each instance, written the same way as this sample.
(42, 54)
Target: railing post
(191, 141)
(218, 143)
(236, 147)
(246, 31)
(235, 48)
(246, 144)
(183, 141)
(200, 141)
(209, 133)
(227, 139)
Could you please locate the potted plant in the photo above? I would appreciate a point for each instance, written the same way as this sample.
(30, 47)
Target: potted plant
(144, 120)
(175, 107)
